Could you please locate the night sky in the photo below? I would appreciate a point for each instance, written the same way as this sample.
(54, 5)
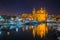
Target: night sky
(26, 6)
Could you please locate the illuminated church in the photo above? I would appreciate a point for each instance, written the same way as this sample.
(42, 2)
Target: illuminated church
(40, 15)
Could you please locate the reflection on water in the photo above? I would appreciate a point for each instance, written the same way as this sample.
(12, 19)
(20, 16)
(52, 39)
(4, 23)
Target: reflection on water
(40, 30)
(23, 29)
(27, 27)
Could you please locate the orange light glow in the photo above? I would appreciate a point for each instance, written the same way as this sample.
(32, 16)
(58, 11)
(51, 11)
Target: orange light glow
(40, 30)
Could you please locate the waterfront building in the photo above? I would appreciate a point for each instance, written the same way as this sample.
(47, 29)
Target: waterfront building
(40, 15)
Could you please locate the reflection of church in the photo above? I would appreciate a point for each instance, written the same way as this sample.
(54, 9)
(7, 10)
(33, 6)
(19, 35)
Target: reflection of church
(40, 15)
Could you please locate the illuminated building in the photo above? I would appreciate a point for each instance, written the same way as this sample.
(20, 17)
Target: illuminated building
(36, 15)
(40, 15)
